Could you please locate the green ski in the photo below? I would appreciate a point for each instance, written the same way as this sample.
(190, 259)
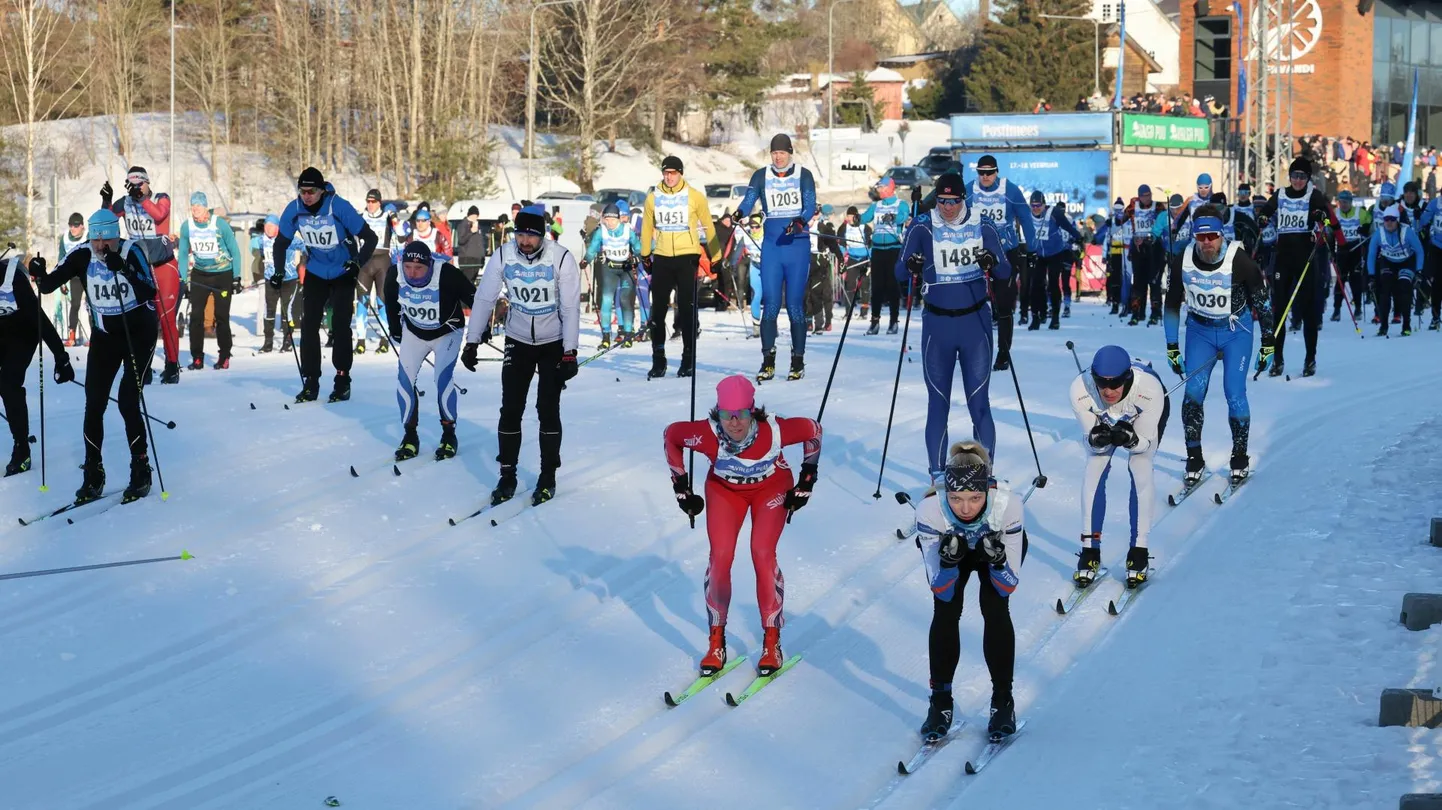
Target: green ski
(760, 682)
(701, 683)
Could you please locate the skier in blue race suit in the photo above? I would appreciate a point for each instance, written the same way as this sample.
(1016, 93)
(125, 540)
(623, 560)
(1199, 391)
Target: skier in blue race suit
(948, 254)
(1052, 227)
(999, 200)
(787, 194)
(1222, 286)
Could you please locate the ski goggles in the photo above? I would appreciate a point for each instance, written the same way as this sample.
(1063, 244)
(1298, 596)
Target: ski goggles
(724, 414)
(1206, 237)
(1113, 383)
(948, 201)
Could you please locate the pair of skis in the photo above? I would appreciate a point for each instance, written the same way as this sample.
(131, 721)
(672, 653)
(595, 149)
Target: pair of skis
(758, 683)
(1219, 498)
(489, 510)
(375, 466)
(995, 744)
(107, 501)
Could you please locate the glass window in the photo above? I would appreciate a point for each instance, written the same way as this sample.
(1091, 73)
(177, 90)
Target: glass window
(1381, 38)
(1396, 123)
(1380, 73)
(1401, 40)
(1379, 121)
(1420, 35)
(1427, 90)
(1434, 127)
(1399, 84)
(1436, 31)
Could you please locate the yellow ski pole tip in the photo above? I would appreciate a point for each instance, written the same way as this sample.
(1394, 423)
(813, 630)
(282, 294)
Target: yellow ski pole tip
(164, 496)
(186, 555)
(44, 488)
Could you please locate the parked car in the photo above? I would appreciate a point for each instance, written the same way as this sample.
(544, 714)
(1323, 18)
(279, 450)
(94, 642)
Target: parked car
(567, 195)
(908, 177)
(633, 198)
(723, 197)
(938, 161)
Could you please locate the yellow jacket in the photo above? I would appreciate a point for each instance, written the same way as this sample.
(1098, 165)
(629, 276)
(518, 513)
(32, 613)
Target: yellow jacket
(675, 243)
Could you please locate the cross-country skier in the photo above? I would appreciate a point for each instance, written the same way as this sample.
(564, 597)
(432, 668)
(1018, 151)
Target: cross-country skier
(1298, 208)
(1431, 222)
(1143, 213)
(381, 219)
(1113, 235)
(280, 297)
(543, 328)
(337, 242)
(425, 231)
(671, 244)
(949, 253)
(856, 238)
(22, 326)
(1121, 405)
(1000, 201)
(73, 238)
(1053, 259)
(147, 223)
(787, 194)
(430, 295)
(887, 216)
(748, 474)
(1222, 287)
(614, 249)
(1356, 224)
(208, 242)
(972, 524)
(120, 289)
(1394, 259)
(1242, 220)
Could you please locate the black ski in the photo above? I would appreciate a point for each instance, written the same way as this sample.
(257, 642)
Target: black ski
(1065, 605)
(926, 751)
(1176, 498)
(69, 507)
(1232, 487)
(995, 745)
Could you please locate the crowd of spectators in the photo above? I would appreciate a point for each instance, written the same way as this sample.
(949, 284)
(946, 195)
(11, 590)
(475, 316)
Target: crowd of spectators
(1344, 162)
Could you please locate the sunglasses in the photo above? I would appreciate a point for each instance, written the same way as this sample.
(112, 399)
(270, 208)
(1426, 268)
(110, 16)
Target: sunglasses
(1207, 237)
(1299, 175)
(1113, 383)
(948, 201)
(986, 172)
(741, 413)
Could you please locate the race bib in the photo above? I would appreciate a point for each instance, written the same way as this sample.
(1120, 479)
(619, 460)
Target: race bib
(954, 253)
(319, 233)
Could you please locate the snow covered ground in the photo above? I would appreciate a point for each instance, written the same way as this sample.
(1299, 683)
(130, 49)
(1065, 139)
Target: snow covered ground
(334, 636)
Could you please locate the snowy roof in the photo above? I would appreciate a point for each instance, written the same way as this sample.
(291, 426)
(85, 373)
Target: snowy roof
(882, 74)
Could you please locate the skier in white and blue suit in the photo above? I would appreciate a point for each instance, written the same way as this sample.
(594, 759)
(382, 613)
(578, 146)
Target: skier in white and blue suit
(949, 252)
(1001, 201)
(1222, 287)
(787, 194)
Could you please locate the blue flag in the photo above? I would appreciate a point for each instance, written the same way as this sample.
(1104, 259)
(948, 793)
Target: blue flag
(1121, 50)
(1409, 157)
(1241, 109)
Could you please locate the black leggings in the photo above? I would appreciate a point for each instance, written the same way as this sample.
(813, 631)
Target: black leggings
(317, 293)
(202, 286)
(110, 355)
(1432, 256)
(17, 350)
(1351, 274)
(885, 291)
(522, 362)
(1393, 290)
(998, 638)
(673, 273)
(1295, 257)
(1003, 303)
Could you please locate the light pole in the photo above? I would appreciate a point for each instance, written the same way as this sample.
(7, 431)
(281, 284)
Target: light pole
(1097, 29)
(831, 84)
(531, 92)
(174, 187)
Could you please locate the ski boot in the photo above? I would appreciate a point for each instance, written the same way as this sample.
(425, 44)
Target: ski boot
(1134, 321)
(222, 363)
(1382, 330)
(675, 333)
(287, 345)
(1154, 320)
(139, 479)
(605, 341)
(384, 347)
(874, 328)
(1434, 325)
(1055, 323)
(360, 346)
(798, 367)
(1088, 562)
(340, 392)
(1114, 308)
(1395, 319)
(1406, 332)
(447, 447)
(938, 716)
(1336, 315)
(688, 366)
(1066, 310)
(92, 486)
(1136, 566)
(1241, 469)
(267, 347)
(1309, 368)
(865, 308)
(506, 487)
(715, 658)
(1034, 325)
(755, 330)
(1021, 318)
(545, 486)
(626, 339)
(19, 459)
(1003, 716)
(892, 328)
(658, 365)
(196, 363)
(771, 655)
(1003, 362)
(170, 375)
(410, 445)
(309, 390)
(1277, 365)
(1196, 467)
(768, 367)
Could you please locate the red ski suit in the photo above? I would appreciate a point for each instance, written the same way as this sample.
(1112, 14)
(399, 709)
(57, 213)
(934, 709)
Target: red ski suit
(167, 277)
(756, 478)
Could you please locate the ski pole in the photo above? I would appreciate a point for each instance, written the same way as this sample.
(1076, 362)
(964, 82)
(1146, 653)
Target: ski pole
(40, 349)
(895, 387)
(1342, 283)
(695, 325)
(151, 417)
(1040, 481)
(385, 335)
(183, 555)
(836, 360)
(140, 391)
(1207, 368)
(1282, 320)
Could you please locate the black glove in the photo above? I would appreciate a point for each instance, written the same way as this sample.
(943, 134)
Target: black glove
(236, 285)
(567, 367)
(688, 501)
(135, 191)
(64, 372)
(37, 267)
(800, 495)
(396, 337)
(468, 356)
(107, 195)
(184, 290)
(916, 265)
(1100, 436)
(582, 264)
(985, 260)
(646, 261)
(275, 280)
(991, 550)
(796, 226)
(952, 550)
(1124, 435)
(486, 335)
(1174, 358)
(352, 270)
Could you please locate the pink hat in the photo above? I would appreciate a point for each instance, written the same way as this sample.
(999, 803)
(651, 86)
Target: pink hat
(735, 393)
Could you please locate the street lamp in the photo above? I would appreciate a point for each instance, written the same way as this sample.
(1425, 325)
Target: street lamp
(831, 85)
(1097, 26)
(531, 93)
(174, 186)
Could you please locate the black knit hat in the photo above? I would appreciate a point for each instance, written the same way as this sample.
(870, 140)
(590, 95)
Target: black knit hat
(673, 163)
(851, 211)
(986, 162)
(1302, 165)
(417, 251)
(531, 221)
(781, 142)
(950, 184)
(311, 178)
(374, 194)
(76, 219)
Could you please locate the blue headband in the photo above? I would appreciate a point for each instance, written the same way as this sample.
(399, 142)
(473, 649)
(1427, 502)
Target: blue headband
(1206, 225)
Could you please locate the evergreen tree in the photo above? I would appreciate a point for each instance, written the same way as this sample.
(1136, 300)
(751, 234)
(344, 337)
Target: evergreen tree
(731, 49)
(856, 103)
(1024, 57)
